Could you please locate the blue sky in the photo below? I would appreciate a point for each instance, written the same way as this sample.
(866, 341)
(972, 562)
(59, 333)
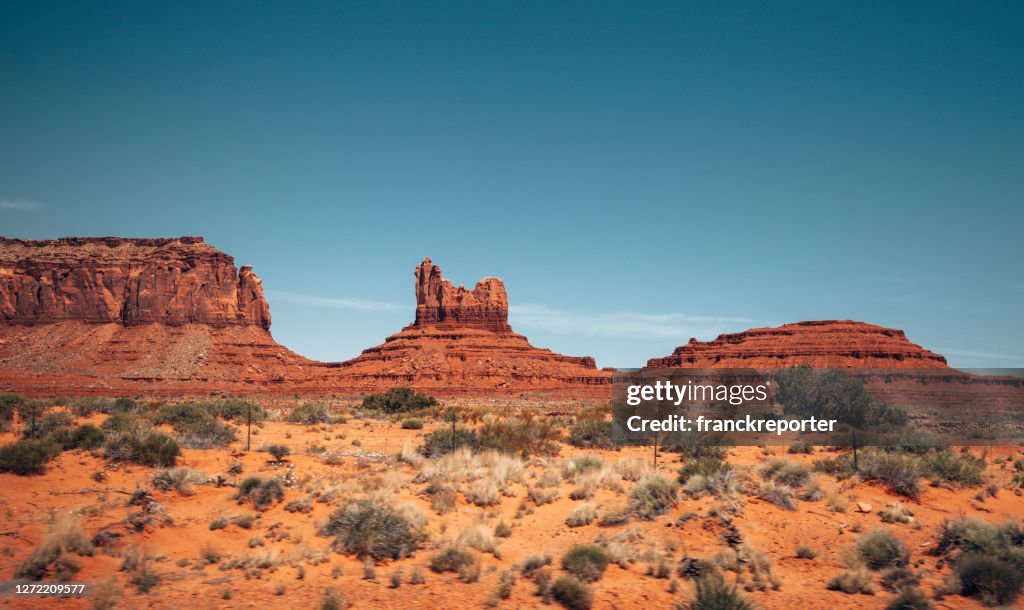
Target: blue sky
(636, 174)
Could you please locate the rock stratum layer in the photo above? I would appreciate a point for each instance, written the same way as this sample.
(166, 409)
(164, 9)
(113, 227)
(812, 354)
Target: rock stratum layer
(127, 281)
(461, 341)
(175, 316)
(821, 344)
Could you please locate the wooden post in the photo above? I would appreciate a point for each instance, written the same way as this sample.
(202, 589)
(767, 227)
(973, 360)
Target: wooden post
(248, 437)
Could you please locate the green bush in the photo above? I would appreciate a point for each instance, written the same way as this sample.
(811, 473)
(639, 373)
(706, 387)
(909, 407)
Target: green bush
(992, 579)
(28, 457)
(586, 562)
(439, 442)
(309, 413)
(206, 434)
(235, 409)
(261, 492)
(142, 445)
(572, 593)
(87, 405)
(592, 434)
(185, 413)
(652, 496)
(373, 529)
(711, 592)
(47, 423)
(125, 405)
(278, 451)
(945, 466)
(399, 400)
(87, 436)
(880, 549)
(9, 405)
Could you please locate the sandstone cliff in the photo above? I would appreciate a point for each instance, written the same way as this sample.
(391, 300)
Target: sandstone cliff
(822, 344)
(127, 281)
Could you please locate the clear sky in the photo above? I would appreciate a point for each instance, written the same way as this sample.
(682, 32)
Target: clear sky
(637, 173)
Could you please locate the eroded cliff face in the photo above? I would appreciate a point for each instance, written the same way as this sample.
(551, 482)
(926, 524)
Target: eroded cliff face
(821, 344)
(127, 281)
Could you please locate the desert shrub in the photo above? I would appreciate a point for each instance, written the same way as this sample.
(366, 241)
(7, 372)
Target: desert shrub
(278, 451)
(86, 436)
(399, 400)
(707, 466)
(27, 457)
(451, 559)
(945, 466)
(478, 536)
(299, 505)
(825, 393)
(412, 423)
(785, 472)
(124, 404)
(180, 479)
(124, 422)
(584, 514)
(218, 524)
(711, 592)
(896, 513)
(533, 563)
(910, 598)
(142, 445)
(778, 494)
(572, 593)
(542, 495)
(441, 441)
(746, 558)
(586, 561)
(368, 528)
(899, 473)
(308, 413)
(898, 577)
(801, 447)
(880, 549)
(47, 424)
(237, 410)
(331, 600)
(9, 405)
(592, 434)
(209, 433)
(183, 413)
(261, 492)
(64, 537)
(526, 436)
(805, 552)
(857, 580)
(652, 496)
(695, 449)
(615, 515)
(992, 579)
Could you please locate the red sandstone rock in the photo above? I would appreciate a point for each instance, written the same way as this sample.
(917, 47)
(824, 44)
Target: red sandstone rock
(126, 281)
(823, 344)
(461, 342)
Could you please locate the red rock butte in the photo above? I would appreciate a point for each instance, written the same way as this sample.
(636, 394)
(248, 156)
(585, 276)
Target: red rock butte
(461, 342)
(821, 344)
(175, 316)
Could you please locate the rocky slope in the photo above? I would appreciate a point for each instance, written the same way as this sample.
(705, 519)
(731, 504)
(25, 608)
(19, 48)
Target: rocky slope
(461, 342)
(826, 343)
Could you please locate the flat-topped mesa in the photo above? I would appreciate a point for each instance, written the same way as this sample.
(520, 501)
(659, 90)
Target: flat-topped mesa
(171, 281)
(821, 344)
(440, 304)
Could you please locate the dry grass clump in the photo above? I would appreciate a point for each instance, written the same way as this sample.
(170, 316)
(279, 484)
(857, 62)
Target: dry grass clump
(479, 536)
(65, 536)
(652, 496)
(480, 477)
(542, 495)
(880, 549)
(855, 580)
(584, 514)
(632, 469)
(748, 559)
(180, 479)
(896, 512)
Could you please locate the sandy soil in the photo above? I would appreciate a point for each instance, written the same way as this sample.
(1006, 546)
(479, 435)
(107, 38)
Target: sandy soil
(368, 447)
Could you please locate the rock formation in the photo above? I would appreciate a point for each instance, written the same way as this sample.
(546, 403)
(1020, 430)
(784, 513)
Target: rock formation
(127, 281)
(461, 342)
(822, 344)
(175, 316)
